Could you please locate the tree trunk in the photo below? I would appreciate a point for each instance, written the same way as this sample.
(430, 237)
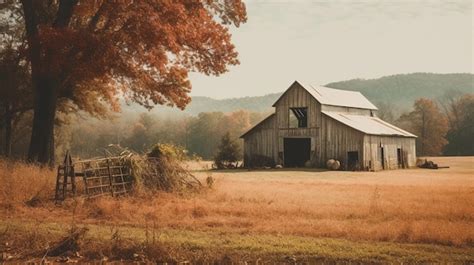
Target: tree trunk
(52, 144)
(8, 131)
(45, 84)
(42, 136)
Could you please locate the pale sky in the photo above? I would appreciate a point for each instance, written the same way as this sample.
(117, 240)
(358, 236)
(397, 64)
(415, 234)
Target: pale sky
(324, 41)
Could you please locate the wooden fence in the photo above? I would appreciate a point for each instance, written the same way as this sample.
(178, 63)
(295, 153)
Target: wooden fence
(102, 176)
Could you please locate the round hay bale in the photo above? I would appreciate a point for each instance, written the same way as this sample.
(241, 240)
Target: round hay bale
(329, 163)
(420, 161)
(333, 164)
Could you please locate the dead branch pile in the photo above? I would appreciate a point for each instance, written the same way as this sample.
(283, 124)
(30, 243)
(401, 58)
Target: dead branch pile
(163, 172)
(69, 244)
(429, 164)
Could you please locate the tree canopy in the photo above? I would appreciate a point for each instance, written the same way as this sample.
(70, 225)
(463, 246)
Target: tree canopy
(460, 113)
(429, 124)
(95, 52)
(142, 50)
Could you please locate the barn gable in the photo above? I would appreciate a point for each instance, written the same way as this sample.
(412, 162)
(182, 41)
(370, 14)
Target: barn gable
(296, 96)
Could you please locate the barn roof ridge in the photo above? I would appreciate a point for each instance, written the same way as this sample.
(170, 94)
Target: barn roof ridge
(334, 97)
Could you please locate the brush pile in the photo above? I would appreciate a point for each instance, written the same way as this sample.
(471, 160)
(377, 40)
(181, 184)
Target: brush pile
(428, 164)
(161, 169)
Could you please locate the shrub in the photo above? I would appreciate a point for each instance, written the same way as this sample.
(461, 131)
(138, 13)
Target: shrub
(259, 161)
(228, 153)
(170, 151)
(160, 170)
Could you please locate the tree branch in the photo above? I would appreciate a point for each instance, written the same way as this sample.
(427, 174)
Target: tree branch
(64, 14)
(31, 23)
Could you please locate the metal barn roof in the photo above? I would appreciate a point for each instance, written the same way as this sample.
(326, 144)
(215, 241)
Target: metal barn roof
(368, 124)
(337, 97)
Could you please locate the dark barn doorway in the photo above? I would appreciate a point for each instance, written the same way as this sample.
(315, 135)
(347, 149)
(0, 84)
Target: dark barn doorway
(400, 160)
(296, 151)
(352, 160)
(382, 157)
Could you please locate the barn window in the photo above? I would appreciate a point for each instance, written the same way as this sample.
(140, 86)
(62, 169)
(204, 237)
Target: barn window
(298, 117)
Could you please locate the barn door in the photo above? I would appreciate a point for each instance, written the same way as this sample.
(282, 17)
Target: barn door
(296, 151)
(382, 157)
(400, 158)
(353, 160)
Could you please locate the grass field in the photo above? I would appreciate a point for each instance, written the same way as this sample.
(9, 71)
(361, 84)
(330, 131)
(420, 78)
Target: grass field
(415, 215)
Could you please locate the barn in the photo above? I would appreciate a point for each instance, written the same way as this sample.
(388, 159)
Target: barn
(312, 124)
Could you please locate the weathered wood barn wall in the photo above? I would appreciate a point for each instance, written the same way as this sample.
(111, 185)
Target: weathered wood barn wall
(338, 139)
(259, 146)
(294, 97)
(339, 124)
(373, 158)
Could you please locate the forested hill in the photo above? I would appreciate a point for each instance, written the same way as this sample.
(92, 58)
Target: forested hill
(402, 90)
(258, 104)
(398, 90)
(206, 104)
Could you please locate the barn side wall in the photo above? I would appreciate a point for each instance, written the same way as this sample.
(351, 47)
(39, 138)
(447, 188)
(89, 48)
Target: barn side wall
(259, 145)
(373, 152)
(337, 139)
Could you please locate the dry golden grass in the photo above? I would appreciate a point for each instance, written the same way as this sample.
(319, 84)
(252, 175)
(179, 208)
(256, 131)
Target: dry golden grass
(408, 206)
(23, 183)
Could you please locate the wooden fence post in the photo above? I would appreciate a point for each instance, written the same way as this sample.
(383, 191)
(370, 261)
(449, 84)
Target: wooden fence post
(110, 175)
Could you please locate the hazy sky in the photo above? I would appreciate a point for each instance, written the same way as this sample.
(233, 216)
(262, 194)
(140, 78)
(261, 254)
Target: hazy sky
(325, 41)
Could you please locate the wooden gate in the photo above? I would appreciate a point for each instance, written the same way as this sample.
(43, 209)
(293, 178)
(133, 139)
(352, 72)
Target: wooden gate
(102, 176)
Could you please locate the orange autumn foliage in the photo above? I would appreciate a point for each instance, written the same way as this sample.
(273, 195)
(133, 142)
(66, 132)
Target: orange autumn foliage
(92, 53)
(429, 124)
(142, 50)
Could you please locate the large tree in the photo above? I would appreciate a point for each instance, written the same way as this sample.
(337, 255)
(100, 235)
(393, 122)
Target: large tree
(429, 124)
(92, 53)
(460, 113)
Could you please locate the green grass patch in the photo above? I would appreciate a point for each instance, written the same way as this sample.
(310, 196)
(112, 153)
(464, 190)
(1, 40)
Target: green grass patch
(216, 244)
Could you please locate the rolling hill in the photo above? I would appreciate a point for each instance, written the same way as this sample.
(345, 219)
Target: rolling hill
(398, 90)
(402, 90)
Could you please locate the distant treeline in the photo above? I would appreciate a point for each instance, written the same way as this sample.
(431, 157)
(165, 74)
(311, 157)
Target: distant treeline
(403, 89)
(398, 90)
(200, 134)
(443, 127)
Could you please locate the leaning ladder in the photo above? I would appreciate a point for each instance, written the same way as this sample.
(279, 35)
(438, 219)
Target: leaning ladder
(65, 179)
